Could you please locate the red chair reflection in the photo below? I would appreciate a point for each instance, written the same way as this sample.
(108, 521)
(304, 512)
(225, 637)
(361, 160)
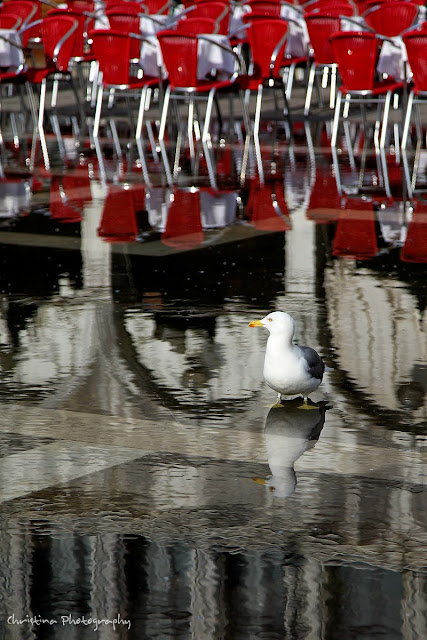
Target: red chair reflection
(183, 228)
(325, 201)
(118, 222)
(415, 246)
(356, 232)
(266, 207)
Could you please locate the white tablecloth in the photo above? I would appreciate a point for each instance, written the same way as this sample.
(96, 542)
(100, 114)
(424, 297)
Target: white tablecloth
(10, 56)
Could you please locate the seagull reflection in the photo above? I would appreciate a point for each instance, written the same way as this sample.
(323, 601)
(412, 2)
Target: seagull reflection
(289, 431)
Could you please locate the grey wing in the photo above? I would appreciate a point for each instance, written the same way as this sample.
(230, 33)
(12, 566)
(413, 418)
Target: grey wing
(316, 365)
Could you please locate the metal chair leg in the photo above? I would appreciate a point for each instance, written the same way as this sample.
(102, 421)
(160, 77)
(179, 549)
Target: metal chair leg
(162, 136)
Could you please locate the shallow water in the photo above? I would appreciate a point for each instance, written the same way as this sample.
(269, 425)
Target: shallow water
(146, 477)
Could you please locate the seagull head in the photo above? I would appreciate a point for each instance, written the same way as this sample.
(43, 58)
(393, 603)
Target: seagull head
(277, 322)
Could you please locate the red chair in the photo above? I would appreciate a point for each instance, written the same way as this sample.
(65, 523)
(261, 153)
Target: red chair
(320, 28)
(180, 54)
(58, 34)
(356, 231)
(415, 246)
(391, 18)
(113, 50)
(356, 54)
(267, 39)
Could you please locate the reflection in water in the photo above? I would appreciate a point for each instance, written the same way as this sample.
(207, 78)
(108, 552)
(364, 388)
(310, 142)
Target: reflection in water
(132, 399)
(290, 429)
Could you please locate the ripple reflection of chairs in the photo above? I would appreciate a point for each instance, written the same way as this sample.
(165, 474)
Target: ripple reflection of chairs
(415, 246)
(266, 207)
(356, 231)
(119, 221)
(183, 229)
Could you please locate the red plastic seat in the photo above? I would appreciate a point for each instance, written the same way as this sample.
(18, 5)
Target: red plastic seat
(113, 50)
(180, 54)
(330, 8)
(391, 18)
(356, 231)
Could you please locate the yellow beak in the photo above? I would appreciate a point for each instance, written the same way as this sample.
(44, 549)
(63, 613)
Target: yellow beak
(256, 323)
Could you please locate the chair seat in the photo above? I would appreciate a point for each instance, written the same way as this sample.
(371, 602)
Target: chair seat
(11, 77)
(205, 86)
(37, 75)
(379, 88)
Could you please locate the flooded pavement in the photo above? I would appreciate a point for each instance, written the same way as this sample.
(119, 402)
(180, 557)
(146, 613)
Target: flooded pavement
(149, 488)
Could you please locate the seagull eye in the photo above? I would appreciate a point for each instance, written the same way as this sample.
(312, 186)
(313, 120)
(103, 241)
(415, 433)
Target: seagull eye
(270, 319)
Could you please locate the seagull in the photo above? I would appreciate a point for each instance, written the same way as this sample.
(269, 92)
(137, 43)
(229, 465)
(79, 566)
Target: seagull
(289, 369)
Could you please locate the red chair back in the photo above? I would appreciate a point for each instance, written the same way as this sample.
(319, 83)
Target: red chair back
(25, 9)
(416, 48)
(265, 7)
(112, 49)
(53, 29)
(264, 36)
(179, 53)
(356, 232)
(356, 55)
(194, 26)
(159, 7)
(10, 21)
(126, 23)
(391, 18)
(85, 23)
(218, 11)
(81, 5)
(320, 28)
(327, 8)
